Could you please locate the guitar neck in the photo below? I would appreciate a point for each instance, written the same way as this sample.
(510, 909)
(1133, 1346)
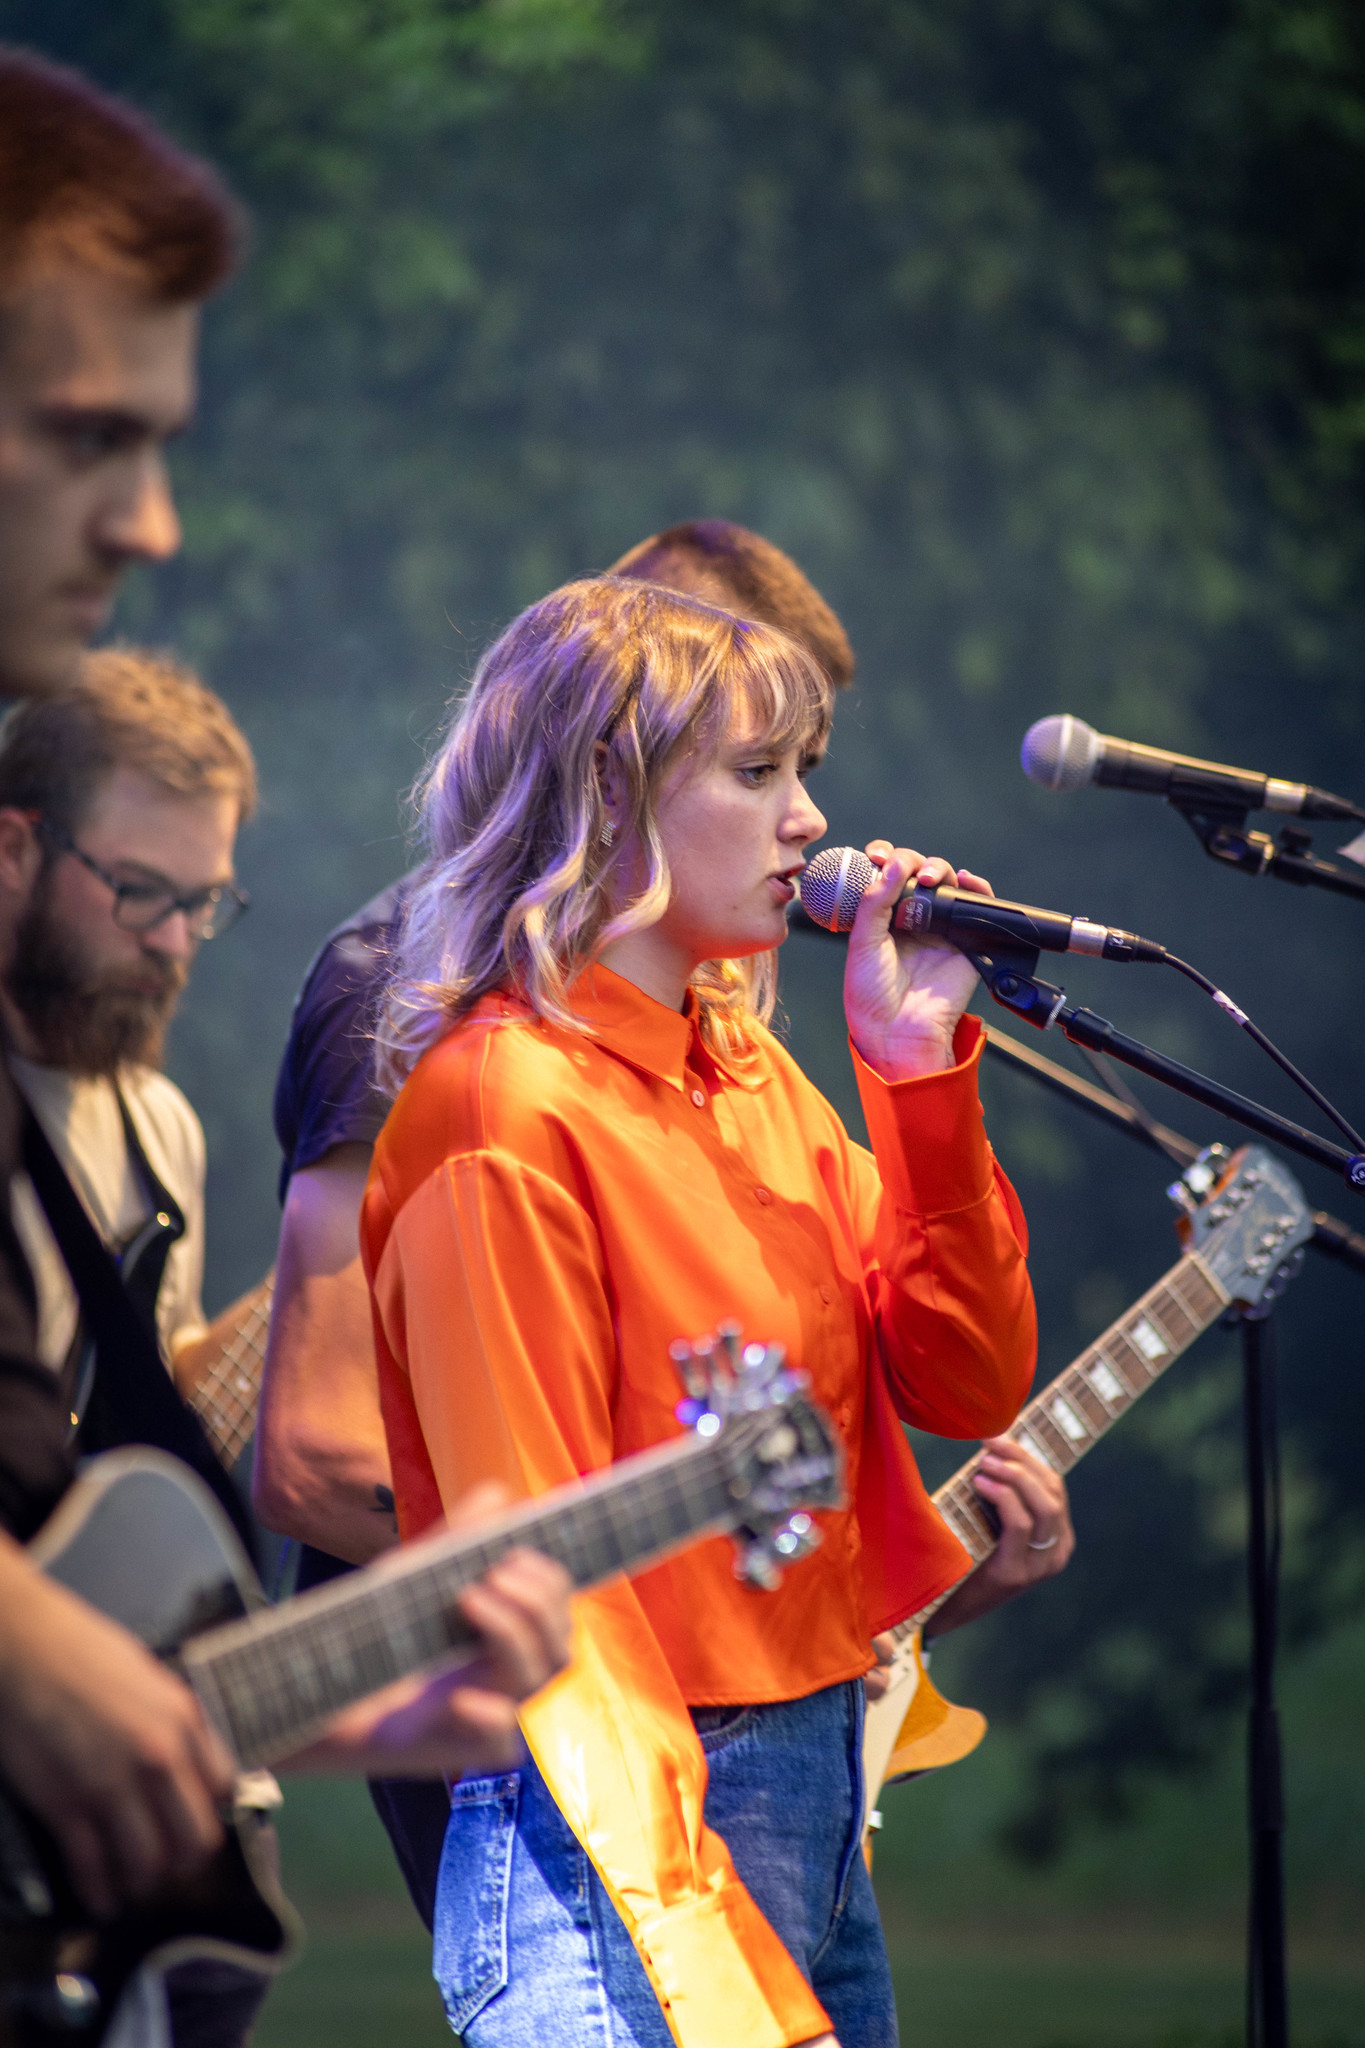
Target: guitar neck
(1083, 1403)
(227, 1393)
(270, 1682)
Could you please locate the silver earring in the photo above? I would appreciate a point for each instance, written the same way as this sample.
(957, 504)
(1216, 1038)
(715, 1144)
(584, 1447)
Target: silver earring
(608, 832)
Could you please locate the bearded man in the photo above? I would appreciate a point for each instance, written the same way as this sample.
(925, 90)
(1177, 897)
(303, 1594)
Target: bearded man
(119, 807)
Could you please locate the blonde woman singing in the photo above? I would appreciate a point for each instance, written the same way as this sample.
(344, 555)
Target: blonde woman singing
(598, 1147)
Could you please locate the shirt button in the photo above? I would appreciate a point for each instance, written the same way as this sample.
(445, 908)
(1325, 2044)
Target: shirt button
(763, 1195)
(826, 1294)
(699, 1097)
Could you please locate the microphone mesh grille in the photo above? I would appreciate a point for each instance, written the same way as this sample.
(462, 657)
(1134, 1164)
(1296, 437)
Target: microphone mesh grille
(1060, 753)
(832, 886)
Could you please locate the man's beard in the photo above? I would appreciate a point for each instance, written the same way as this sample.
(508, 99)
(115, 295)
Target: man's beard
(81, 1020)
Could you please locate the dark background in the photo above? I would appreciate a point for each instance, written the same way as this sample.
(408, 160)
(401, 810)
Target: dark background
(1035, 330)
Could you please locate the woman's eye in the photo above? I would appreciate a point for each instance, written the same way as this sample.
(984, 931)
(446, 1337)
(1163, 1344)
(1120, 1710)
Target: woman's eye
(756, 773)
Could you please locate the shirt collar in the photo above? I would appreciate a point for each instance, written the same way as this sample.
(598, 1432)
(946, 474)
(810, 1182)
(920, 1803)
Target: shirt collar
(647, 1034)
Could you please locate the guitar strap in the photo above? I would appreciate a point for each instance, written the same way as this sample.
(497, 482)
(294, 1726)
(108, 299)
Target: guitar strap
(133, 1399)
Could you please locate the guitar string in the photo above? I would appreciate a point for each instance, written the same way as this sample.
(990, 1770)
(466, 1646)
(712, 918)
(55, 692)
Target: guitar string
(960, 1498)
(1075, 1383)
(1190, 1272)
(362, 1644)
(363, 1657)
(357, 1637)
(217, 1385)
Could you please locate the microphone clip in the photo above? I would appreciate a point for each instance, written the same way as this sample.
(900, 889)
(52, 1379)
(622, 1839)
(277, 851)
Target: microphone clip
(1010, 975)
(1222, 832)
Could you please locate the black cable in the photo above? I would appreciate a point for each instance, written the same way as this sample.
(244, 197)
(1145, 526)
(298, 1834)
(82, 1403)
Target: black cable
(1164, 1141)
(1254, 1031)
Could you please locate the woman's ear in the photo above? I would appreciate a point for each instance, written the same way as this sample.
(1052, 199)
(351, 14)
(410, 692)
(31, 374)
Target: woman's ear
(612, 785)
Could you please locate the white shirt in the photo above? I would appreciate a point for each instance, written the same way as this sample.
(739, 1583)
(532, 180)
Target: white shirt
(80, 1116)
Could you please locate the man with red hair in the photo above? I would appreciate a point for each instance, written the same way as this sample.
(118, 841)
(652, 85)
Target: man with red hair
(111, 238)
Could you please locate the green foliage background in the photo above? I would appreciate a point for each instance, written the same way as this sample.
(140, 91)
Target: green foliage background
(1035, 329)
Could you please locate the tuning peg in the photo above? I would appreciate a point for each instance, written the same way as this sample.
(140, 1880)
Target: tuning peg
(756, 1567)
(797, 1538)
(728, 1335)
(690, 1369)
(1281, 1277)
(763, 1377)
(1189, 1192)
(719, 1354)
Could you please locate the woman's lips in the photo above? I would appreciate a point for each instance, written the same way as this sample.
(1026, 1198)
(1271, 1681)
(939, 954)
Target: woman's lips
(784, 887)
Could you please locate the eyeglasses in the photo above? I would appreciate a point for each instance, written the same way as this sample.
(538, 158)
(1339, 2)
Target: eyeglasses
(142, 906)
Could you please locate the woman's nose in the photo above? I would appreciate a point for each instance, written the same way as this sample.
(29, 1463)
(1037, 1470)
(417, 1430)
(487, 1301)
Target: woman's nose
(804, 820)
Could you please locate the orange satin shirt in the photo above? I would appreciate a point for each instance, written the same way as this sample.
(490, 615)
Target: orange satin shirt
(547, 1210)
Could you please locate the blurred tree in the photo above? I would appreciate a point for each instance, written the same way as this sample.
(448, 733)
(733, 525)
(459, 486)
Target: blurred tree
(1036, 330)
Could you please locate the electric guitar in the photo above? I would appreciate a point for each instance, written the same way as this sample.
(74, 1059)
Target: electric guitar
(141, 1538)
(1243, 1223)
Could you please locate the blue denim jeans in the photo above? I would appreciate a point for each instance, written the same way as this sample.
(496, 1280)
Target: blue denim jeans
(530, 1952)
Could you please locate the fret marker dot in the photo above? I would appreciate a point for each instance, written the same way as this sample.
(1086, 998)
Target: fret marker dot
(1105, 1384)
(1067, 1420)
(1149, 1343)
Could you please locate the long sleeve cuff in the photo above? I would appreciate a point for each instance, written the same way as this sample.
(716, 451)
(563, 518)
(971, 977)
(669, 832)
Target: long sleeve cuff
(928, 1133)
(723, 1976)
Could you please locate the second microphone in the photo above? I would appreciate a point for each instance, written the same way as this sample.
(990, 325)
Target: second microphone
(834, 884)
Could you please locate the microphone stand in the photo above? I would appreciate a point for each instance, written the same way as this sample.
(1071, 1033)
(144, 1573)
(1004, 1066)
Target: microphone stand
(1266, 1987)
(1222, 832)
(1013, 983)
(1010, 977)
(1331, 1238)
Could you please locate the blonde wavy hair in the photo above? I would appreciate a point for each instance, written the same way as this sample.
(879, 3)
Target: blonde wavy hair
(604, 674)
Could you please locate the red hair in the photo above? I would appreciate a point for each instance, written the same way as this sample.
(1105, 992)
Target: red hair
(84, 174)
(726, 565)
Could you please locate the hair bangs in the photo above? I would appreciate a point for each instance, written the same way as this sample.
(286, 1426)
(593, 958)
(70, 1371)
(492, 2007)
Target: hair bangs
(781, 692)
(522, 885)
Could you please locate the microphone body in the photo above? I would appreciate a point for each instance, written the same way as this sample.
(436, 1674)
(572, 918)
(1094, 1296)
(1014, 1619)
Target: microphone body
(1064, 753)
(833, 886)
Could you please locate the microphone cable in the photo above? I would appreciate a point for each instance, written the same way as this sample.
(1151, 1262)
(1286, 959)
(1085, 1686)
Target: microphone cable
(1267, 1045)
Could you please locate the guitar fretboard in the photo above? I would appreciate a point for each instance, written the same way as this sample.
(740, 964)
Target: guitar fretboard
(1083, 1403)
(270, 1682)
(228, 1392)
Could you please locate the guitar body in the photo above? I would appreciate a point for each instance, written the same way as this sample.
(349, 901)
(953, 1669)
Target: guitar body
(143, 1539)
(138, 1537)
(912, 1728)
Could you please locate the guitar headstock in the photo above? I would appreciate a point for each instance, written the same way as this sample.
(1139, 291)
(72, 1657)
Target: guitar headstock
(781, 1453)
(1244, 1213)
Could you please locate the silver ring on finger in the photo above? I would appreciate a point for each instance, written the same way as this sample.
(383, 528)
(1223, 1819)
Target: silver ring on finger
(1051, 1541)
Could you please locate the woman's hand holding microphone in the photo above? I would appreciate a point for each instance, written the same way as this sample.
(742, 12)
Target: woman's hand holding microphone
(903, 997)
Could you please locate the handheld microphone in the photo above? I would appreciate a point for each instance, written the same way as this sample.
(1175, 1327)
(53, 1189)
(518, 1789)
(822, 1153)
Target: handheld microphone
(833, 885)
(1065, 753)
